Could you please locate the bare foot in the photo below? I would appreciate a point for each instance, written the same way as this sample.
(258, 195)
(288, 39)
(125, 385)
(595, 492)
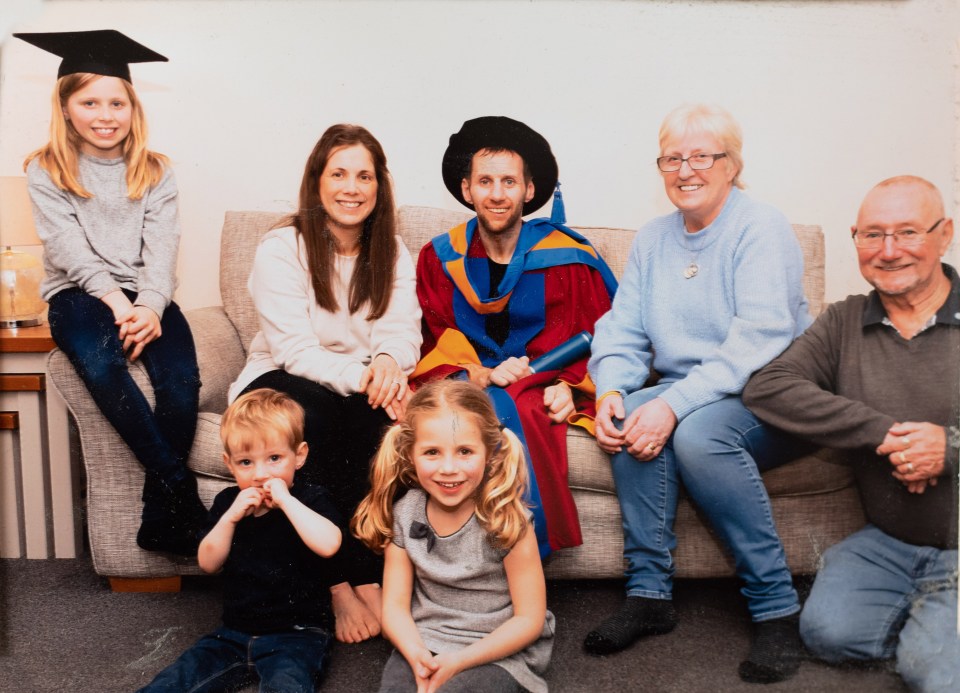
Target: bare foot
(355, 621)
(371, 596)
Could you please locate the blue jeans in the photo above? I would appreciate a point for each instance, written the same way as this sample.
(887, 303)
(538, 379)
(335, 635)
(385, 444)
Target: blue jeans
(876, 597)
(160, 438)
(227, 660)
(717, 452)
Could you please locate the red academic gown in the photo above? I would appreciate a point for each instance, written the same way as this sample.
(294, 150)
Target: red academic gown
(547, 306)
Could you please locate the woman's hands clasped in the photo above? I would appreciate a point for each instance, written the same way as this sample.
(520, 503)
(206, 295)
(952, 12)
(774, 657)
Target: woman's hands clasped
(644, 432)
(385, 385)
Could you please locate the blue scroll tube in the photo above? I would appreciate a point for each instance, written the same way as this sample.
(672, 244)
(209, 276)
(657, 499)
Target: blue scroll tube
(562, 356)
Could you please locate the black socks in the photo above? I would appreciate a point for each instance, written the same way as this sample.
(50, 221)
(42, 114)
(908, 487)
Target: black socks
(776, 651)
(637, 617)
(775, 654)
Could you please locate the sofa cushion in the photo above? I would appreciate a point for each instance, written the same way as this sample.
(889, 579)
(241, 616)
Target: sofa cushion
(820, 472)
(219, 354)
(238, 246)
(206, 456)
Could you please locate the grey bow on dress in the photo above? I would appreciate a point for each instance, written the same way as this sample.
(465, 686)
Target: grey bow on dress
(418, 530)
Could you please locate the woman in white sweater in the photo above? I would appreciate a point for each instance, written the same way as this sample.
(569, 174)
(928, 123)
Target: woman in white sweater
(339, 332)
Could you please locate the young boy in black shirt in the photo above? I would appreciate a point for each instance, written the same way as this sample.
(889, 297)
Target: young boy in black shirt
(270, 538)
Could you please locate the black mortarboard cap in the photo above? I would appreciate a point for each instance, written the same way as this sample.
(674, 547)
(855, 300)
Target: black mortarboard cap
(500, 132)
(101, 52)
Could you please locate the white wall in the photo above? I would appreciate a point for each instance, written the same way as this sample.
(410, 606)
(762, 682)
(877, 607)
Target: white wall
(832, 96)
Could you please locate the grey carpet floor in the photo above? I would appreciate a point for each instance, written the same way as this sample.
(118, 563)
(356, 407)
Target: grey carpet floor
(61, 629)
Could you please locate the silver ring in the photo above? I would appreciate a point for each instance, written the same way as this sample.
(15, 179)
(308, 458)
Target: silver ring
(910, 467)
(903, 457)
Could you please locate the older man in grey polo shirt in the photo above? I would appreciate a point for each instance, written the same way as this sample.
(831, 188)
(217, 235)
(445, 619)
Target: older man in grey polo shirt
(879, 376)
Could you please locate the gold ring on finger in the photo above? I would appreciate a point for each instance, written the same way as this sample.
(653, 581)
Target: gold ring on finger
(903, 457)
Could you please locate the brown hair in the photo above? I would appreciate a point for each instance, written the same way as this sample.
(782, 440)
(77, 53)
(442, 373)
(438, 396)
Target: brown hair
(59, 156)
(372, 280)
(500, 507)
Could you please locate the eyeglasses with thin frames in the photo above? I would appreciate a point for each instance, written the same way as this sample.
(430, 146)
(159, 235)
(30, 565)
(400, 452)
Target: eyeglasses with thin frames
(903, 237)
(698, 162)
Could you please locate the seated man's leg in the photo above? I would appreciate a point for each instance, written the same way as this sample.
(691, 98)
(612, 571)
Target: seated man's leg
(647, 492)
(216, 662)
(860, 598)
(928, 653)
(290, 662)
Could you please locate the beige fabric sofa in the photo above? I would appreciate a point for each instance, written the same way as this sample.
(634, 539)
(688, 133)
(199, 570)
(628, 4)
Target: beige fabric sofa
(814, 501)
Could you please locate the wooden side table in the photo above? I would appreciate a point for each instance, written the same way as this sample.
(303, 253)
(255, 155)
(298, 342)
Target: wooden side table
(39, 506)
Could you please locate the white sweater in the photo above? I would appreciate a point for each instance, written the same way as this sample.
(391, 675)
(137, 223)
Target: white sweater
(301, 338)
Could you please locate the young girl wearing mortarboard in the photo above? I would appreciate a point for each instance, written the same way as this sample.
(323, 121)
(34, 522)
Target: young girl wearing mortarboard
(106, 210)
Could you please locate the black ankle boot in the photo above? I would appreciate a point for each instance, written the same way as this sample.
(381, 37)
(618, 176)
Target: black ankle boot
(776, 651)
(639, 616)
(162, 531)
(172, 516)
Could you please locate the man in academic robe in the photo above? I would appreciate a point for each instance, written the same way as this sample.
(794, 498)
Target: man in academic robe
(498, 292)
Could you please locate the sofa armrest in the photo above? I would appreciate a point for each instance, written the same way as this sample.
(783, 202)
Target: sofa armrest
(220, 355)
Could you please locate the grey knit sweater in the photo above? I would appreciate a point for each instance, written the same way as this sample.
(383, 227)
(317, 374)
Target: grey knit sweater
(108, 241)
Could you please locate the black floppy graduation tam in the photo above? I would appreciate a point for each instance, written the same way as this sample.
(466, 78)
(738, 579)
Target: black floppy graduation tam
(500, 132)
(102, 52)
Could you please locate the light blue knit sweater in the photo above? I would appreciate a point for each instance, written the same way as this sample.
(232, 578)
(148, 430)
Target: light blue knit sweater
(705, 334)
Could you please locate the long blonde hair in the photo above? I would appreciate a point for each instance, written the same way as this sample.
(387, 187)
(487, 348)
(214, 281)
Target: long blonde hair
(499, 504)
(59, 156)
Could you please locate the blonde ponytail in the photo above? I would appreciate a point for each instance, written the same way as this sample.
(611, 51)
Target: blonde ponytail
(372, 523)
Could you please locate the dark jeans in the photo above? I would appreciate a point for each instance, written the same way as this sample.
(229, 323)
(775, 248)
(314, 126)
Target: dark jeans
(343, 434)
(228, 660)
(160, 438)
(486, 678)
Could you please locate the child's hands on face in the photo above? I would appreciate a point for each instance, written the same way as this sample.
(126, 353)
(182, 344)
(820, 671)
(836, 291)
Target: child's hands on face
(247, 502)
(275, 492)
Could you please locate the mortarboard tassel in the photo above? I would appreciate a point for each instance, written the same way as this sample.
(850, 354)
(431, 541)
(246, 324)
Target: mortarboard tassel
(558, 214)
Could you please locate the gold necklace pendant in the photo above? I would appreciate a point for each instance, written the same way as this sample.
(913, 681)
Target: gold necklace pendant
(691, 271)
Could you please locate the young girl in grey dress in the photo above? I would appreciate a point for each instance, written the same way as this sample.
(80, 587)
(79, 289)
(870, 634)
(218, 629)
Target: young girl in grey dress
(464, 598)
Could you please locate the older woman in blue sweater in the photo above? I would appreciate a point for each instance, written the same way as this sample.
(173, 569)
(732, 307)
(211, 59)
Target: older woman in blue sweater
(711, 293)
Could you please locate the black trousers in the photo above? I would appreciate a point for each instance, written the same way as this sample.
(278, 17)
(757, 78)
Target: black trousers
(343, 434)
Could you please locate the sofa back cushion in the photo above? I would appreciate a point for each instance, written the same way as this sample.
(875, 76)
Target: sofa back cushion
(238, 245)
(417, 226)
